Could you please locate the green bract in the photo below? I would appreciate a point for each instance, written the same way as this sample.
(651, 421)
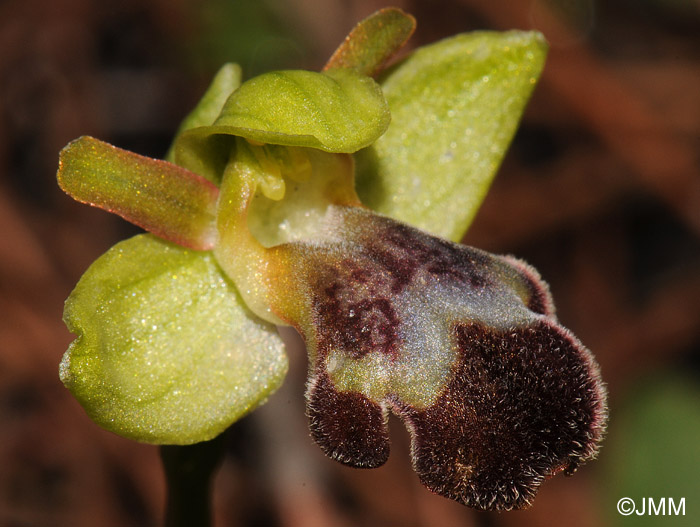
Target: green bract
(166, 352)
(454, 109)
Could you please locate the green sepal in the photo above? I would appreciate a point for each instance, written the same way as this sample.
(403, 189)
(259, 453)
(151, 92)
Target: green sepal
(455, 106)
(224, 83)
(161, 197)
(337, 111)
(166, 352)
(373, 41)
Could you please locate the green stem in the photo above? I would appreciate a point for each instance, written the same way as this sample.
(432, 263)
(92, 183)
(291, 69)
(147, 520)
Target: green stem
(189, 472)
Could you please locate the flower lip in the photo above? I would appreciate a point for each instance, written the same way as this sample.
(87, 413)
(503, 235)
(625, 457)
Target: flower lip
(463, 346)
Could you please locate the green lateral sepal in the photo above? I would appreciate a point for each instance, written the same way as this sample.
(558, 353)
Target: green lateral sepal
(166, 352)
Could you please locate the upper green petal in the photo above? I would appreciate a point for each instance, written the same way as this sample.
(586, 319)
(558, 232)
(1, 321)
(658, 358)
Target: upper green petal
(373, 41)
(166, 352)
(454, 106)
(161, 197)
(337, 111)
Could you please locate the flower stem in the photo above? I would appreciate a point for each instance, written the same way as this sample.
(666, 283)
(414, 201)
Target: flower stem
(188, 472)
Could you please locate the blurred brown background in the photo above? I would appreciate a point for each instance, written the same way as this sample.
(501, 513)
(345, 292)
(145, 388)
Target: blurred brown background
(600, 191)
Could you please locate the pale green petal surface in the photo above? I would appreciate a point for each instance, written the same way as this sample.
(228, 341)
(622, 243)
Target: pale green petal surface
(454, 107)
(166, 352)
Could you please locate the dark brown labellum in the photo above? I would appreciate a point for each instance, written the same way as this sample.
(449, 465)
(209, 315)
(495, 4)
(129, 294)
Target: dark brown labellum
(463, 346)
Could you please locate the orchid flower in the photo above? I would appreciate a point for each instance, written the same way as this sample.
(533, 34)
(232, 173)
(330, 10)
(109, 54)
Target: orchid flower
(332, 202)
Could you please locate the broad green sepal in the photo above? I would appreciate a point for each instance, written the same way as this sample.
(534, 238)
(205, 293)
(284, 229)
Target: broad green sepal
(454, 106)
(224, 83)
(373, 41)
(338, 111)
(161, 197)
(166, 352)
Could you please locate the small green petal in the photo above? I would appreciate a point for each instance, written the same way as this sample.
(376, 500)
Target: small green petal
(455, 106)
(166, 352)
(337, 111)
(161, 197)
(224, 83)
(373, 41)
